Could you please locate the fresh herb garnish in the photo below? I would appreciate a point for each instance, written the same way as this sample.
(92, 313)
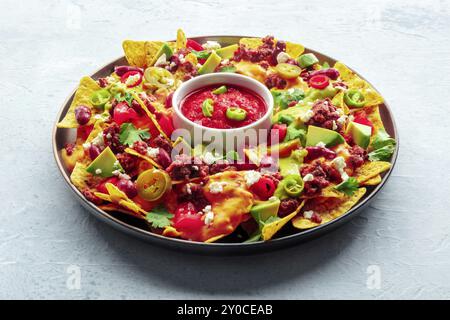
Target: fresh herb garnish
(283, 99)
(128, 97)
(159, 217)
(294, 133)
(201, 54)
(129, 134)
(228, 69)
(383, 147)
(348, 187)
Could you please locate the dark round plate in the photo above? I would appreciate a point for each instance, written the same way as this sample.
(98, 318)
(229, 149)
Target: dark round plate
(286, 237)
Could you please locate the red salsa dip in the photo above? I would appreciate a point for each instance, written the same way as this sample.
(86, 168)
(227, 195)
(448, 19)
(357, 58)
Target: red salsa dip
(235, 96)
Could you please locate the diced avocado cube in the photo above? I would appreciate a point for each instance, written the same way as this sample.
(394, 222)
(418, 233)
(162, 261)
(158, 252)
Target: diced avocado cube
(306, 60)
(264, 210)
(227, 52)
(165, 49)
(317, 135)
(105, 164)
(210, 64)
(360, 133)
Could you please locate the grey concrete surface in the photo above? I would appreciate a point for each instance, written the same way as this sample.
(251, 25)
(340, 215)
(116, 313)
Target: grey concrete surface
(402, 240)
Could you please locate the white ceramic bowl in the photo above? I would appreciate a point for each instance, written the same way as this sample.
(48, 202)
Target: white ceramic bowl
(226, 139)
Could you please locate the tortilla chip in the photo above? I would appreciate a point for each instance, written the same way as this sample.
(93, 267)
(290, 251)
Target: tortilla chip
(373, 114)
(370, 170)
(82, 96)
(214, 239)
(270, 229)
(171, 232)
(372, 181)
(338, 101)
(294, 49)
(141, 156)
(135, 52)
(181, 39)
(251, 70)
(151, 49)
(354, 82)
(114, 207)
(80, 177)
(340, 207)
(251, 43)
(116, 196)
(76, 156)
(151, 116)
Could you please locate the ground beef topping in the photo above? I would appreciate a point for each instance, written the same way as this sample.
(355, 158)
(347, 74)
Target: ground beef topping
(287, 206)
(129, 163)
(322, 175)
(357, 157)
(90, 196)
(192, 192)
(111, 138)
(275, 81)
(186, 167)
(266, 53)
(325, 115)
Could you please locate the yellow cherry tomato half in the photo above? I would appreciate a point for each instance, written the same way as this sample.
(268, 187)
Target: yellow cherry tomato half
(288, 71)
(156, 77)
(152, 184)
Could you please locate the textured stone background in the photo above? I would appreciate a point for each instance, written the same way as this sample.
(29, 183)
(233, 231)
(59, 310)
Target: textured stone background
(402, 47)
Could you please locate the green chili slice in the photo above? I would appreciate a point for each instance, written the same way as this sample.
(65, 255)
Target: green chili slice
(236, 113)
(293, 185)
(208, 108)
(354, 98)
(99, 98)
(220, 90)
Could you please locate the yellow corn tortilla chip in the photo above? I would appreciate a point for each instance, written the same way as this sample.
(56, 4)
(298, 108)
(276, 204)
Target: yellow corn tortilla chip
(270, 229)
(354, 82)
(214, 239)
(151, 116)
(148, 159)
(82, 96)
(373, 114)
(170, 231)
(114, 207)
(341, 207)
(372, 181)
(116, 196)
(80, 176)
(151, 49)
(328, 192)
(181, 39)
(76, 156)
(135, 52)
(294, 49)
(338, 101)
(371, 169)
(251, 43)
(251, 70)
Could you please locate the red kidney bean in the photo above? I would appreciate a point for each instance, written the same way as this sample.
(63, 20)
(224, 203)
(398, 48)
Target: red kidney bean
(94, 151)
(82, 114)
(128, 187)
(121, 70)
(331, 73)
(164, 158)
(169, 100)
(317, 152)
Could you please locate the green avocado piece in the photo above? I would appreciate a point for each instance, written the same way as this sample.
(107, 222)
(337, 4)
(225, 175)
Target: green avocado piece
(307, 60)
(317, 134)
(104, 165)
(316, 94)
(291, 164)
(227, 52)
(264, 210)
(360, 134)
(165, 49)
(210, 64)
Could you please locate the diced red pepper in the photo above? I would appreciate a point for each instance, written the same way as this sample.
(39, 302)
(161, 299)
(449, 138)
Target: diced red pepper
(319, 82)
(128, 74)
(123, 113)
(84, 131)
(166, 124)
(361, 118)
(194, 45)
(264, 188)
(102, 186)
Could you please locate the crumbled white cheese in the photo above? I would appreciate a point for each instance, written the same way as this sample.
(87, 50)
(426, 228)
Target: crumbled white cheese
(334, 125)
(188, 188)
(283, 57)
(98, 140)
(98, 171)
(211, 45)
(152, 152)
(86, 145)
(251, 177)
(181, 58)
(308, 214)
(195, 167)
(199, 65)
(308, 177)
(209, 158)
(339, 164)
(110, 79)
(273, 198)
(342, 119)
(168, 81)
(351, 118)
(162, 61)
(225, 61)
(108, 136)
(216, 187)
(209, 214)
(116, 173)
(307, 116)
(124, 176)
(132, 80)
(321, 144)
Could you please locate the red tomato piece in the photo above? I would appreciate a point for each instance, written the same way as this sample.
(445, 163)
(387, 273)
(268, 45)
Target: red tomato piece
(102, 188)
(123, 113)
(319, 82)
(194, 45)
(166, 124)
(84, 131)
(264, 188)
(280, 130)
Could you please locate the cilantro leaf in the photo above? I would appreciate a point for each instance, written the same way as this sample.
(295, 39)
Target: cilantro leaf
(201, 54)
(294, 133)
(129, 134)
(128, 97)
(282, 99)
(348, 187)
(383, 147)
(159, 217)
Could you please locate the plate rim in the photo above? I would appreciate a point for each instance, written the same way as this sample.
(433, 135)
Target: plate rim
(199, 247)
